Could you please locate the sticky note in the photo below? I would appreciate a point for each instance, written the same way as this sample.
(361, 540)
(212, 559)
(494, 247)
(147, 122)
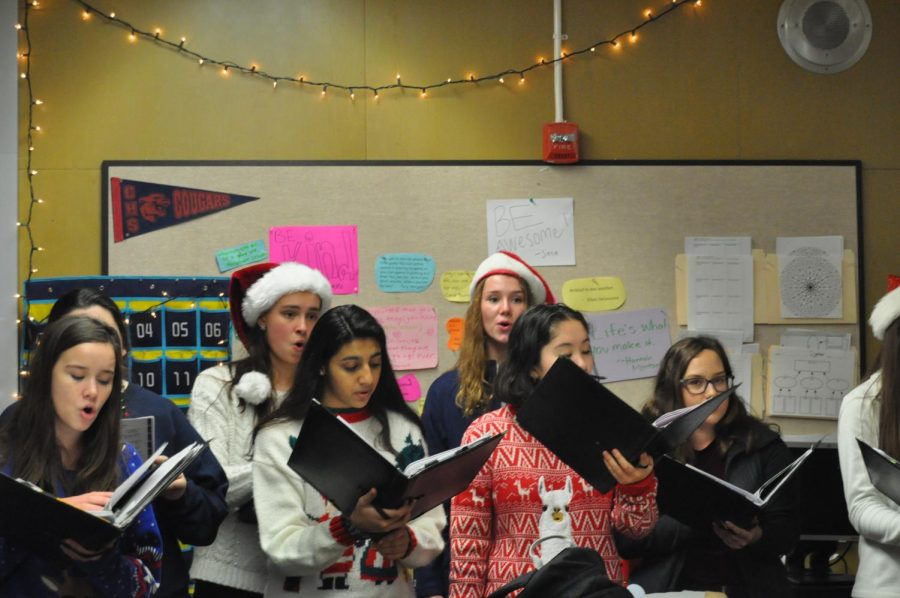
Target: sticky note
(455, 285)
(411, 332)
(404, 272)
(332, 250)
(600, 293)
(241, 255)
(410, 388)
(455, 327)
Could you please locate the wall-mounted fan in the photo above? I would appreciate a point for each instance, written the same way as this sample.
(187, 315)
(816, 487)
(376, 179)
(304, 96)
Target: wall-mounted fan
(825, 36)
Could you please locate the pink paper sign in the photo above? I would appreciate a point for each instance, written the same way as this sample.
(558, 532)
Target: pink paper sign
(332, 250)
(409, 386)
(411, 335)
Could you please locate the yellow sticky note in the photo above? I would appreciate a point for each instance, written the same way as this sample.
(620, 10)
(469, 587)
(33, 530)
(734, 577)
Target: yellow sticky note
(455, 285)
(455, 327)
(600, 293)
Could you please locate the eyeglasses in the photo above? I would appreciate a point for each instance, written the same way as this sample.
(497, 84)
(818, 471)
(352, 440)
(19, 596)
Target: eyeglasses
(698, 386)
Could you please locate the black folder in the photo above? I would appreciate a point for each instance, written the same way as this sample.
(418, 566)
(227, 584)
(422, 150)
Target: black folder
(578, 418)
(39, 521)
(884, 471)
(698, 499)
(342, 466)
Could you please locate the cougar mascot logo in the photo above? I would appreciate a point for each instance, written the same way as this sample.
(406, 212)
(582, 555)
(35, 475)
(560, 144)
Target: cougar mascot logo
(154, 206)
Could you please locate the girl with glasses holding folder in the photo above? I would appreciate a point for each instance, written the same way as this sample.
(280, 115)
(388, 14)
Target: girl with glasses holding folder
(63, 436)
(871, 413)
(314, 549)
(731, 445)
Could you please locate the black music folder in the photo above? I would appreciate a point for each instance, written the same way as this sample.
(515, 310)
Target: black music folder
(40, 521)
(578, 418)
(698, 499)
(342, 466)
(884, 470)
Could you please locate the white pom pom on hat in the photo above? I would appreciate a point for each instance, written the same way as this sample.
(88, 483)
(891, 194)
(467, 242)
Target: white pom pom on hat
(253, 387)
(507, 262)
(255, 289)
(887, 309)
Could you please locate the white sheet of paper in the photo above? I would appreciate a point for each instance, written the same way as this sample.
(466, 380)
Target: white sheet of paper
(540, 231)
(720, 293)
(717, 246)
(806, 383)
(810, 275)
(629, 345)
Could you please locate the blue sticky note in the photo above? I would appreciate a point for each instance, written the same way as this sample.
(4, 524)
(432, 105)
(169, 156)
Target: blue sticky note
(404, 272)
(248, 253)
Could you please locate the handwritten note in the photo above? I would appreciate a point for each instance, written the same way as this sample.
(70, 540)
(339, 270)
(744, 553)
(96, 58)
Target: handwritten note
(410, 388)
(455, 285)
(629, 345)
(241, 255)
(404, 272)
(600, 293)
(541, 231)
(330, 249)
(411, 332)
(455, 327)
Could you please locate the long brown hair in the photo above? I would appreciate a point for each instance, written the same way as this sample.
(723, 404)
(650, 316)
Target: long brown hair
(737, 424)
(474, 394)
(27, 440)
(888, 362)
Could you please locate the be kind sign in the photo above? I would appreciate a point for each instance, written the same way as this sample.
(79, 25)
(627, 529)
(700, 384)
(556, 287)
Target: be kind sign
(629, 345)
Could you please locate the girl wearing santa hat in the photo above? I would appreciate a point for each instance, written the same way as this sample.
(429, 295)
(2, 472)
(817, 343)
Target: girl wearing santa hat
(274, 308)
(871, 412)
(503, 287)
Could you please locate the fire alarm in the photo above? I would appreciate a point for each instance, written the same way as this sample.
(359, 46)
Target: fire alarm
(561, 143)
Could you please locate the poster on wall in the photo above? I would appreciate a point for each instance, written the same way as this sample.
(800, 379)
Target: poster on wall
(177, 327)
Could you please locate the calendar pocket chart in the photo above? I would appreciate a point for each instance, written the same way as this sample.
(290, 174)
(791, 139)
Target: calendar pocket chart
(177, 327)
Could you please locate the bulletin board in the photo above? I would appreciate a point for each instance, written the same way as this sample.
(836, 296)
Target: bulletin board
(630, 221)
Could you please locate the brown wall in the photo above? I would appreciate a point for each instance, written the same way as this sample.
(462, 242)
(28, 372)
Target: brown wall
(704, 83)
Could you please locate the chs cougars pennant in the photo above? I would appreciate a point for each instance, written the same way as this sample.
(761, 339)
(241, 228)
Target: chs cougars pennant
(140, 207)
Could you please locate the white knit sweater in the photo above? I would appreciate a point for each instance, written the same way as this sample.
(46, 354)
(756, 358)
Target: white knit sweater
(235, 559)
(875, 516)
(309, 550)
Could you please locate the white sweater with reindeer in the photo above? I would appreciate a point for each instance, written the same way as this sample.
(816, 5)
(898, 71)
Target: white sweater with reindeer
(310, 552)
(524, 493)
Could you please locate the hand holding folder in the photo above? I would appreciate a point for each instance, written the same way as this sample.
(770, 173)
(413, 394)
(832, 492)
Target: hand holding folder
(342, 466)
(40, 521)
(578, 418)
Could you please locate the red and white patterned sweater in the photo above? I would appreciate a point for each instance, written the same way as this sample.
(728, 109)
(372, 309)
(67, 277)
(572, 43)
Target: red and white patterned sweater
(494, 522)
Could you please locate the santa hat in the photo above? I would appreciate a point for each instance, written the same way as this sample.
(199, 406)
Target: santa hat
(255, 289)
(507, 262)
(887, 309)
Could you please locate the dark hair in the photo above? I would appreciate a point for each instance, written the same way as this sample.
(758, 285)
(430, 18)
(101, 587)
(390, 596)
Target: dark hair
(27, 439)
(335, 328)
(667, 396)
(888, 362)
(529, 335)
(86, 297)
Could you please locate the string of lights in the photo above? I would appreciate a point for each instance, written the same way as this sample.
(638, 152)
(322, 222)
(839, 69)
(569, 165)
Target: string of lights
(89, 11)
(228, 66)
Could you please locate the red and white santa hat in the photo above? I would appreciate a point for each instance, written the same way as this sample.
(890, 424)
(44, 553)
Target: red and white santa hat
(507, 262)
(887, 309)
(255, 289)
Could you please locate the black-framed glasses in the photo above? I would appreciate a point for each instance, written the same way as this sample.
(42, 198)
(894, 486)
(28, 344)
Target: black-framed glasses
(698, 385)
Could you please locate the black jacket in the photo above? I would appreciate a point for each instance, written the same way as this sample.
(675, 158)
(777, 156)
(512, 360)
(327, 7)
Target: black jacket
(761, 573)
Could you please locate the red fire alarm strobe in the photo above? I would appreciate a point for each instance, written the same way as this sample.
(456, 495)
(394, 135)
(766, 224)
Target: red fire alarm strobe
(561, 143)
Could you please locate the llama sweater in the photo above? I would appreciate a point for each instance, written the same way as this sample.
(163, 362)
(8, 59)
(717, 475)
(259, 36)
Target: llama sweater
(310, 551)
(523, 493)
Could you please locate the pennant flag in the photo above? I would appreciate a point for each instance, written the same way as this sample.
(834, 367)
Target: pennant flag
(140, 207)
